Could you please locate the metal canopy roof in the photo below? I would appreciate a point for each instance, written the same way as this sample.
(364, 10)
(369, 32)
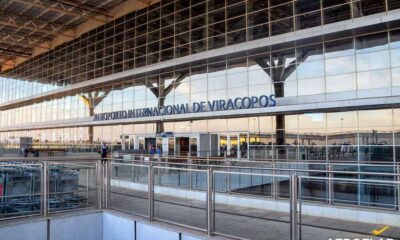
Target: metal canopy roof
(25, 24)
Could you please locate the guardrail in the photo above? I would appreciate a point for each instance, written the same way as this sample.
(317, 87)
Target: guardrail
(211, 198)
(223, 159)
(156, 181)
(34, 189)
(331, 192)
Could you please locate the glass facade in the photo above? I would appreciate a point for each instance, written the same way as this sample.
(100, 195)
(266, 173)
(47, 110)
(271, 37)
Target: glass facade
(171, 29)
(352, 66)
(356, 65)
(365, 136)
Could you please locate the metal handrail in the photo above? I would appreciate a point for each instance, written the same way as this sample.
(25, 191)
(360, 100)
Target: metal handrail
(104, 176)
(224, 158)
(292, 178)
(274, 168)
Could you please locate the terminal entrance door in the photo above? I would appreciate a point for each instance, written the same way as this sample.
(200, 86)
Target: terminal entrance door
(243, 147)
(150, 143)
(182, 146)
(236, 145)
(127, 142)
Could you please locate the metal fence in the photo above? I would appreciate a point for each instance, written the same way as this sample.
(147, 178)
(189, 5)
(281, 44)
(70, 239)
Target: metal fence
(330, 183)
(244, 202)
(189, 194)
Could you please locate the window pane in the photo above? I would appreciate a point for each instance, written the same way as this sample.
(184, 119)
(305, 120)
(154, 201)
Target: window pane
(337, 14)
(368, 7)
(395, 57)
(395, 38)
(339, 48)
(308, 20)
(374, 60)
(373, 79)
(305, 6)
(318, 86)
(393, 4)
(373, 42)
(261, 31)
(396, 77)
(257, 18)
(340, 65)
(281, 11)
(341, 83)
(254, 5)
(310, 69)
(330, 3)
(281, 27)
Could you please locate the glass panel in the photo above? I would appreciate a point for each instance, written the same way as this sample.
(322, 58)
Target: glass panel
(373, 60)
(281, 11)
(341, 83)
(317, 83)
(233, 144)
(308, 20)
(368, 7)
(282, 26)
(373, 42)
(310, 69)
(337, 14)
(340, 65)
(374, 79)
(304, 6)
(223, 144)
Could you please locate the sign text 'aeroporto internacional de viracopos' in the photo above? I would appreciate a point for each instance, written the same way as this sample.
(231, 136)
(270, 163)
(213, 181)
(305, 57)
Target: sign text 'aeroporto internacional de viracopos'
(196, 107)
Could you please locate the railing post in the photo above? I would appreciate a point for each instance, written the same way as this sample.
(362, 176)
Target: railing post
(300, 205)
(108, 169)
(150, 182)
(45, 190)
(210, 209)
(398, 187)
(330, 184)
(87, 187)
(294, 231)
(274, 187)
(189, 160)
(99, 170)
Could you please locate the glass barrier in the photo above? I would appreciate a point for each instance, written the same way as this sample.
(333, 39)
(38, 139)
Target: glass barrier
(238, 201)
(239, 212)
(71, 186)
(174, 201)
(129, 188)
(20, 189)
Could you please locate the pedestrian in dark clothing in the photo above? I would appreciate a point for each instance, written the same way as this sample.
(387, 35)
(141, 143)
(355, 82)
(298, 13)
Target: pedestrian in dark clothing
(152, 150)
(104, 152)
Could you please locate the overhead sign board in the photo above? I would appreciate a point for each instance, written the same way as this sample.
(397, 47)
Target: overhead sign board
(196, 107)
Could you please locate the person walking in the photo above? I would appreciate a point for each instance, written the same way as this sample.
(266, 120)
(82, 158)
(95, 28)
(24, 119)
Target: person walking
(104, 152)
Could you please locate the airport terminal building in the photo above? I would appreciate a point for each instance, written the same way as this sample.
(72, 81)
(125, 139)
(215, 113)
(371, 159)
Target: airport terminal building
(265, 79)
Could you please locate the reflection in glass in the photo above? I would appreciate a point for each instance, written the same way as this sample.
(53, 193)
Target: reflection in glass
(340, 65)
(337, 13)
(374, 79)
(373, 60)
(373, 42)
(341, 83)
